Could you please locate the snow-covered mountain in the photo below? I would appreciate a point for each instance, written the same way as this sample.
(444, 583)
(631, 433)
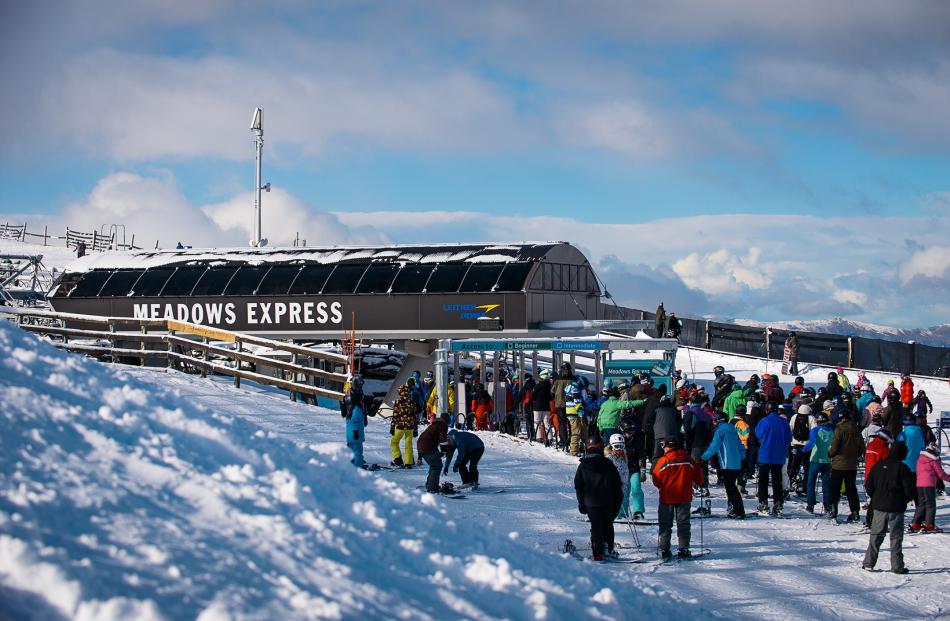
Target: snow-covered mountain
(938, 336)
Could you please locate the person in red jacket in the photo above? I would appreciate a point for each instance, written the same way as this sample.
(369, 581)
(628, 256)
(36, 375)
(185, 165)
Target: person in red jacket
(907, 390)
(877, 449)
(675, 474)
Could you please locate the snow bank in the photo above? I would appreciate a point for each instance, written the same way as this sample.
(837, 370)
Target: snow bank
(122, 500)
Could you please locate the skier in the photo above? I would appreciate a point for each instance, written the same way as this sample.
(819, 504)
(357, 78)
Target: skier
(801, 424)
(728, 449)
(574, 408)
(636, 466)
(403, 428)
(428, 446)
(608, 418)
(353, 408)
(819, 462)
(482, 406)
(433, 396)
(890, 485)
(912, 436)
(616, 452)
(774, 438)
(888, 390)
(743, 430)
(667, 423)
(541, 404)
(599, 495)
(674, 475)
(843, 380)
(922, 404)
(470, 450)
(929, 471)
(893, 413)
(877, 449)
(698, 424)
(565, 378)
(845, 450)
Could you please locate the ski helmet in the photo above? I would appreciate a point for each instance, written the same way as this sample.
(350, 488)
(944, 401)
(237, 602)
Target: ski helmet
(799, 381)
(718, 370)
(832, 376)
(595, 445)
(617, 442)
(669, 443)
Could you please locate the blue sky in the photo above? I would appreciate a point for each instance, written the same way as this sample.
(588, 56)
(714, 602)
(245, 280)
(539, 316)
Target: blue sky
(740, 146)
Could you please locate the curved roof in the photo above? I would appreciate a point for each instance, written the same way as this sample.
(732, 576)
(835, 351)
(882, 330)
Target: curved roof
(338, 270)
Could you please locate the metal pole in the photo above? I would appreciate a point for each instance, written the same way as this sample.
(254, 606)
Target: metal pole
(442, 376)
(259, 147)
(497, 399)
(458, 381)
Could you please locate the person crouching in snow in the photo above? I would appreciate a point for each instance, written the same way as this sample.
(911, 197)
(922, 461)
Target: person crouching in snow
(428, 446)
(890, 486)
(403, 428)
(617, 454)
(674, 474)
(929, 470)
(599, 495)
(470, 450)
(353, 408)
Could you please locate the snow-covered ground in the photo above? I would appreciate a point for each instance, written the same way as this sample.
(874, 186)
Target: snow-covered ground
(134, 494)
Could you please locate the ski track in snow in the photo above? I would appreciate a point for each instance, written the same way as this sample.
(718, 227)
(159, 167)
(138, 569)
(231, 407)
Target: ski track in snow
(800, 567)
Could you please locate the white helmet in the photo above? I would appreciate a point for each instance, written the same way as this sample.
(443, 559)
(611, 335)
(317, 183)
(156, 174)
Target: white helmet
(617, 441)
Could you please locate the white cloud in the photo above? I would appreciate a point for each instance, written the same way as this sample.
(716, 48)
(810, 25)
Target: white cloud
(721, 272)
(932, 262)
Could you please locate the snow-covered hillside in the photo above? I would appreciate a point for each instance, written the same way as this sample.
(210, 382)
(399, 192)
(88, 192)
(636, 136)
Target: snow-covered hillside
(134, 494)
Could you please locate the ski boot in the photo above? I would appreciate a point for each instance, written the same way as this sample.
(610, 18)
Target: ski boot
(930, 528)
(776, 510)
(854, 518)
(666, 555)
(810, 509)
(763, 507)
(397, 462)
(613, 554)
(914, 528)
(637, 516)
(684, 553)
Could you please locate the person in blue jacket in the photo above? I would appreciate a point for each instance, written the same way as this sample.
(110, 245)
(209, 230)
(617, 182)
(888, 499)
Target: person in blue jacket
(775, 436)
(470, 450)
(728, 448)
(913, 437)
(353, 408)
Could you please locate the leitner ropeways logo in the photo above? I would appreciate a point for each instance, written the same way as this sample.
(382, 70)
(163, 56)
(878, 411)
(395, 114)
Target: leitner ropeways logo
(469, 311)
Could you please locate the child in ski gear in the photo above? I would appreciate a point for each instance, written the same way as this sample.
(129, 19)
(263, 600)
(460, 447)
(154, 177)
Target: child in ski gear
(819, 461)
(403, 427)
(727, 448)
(890, 485)
(907, 390)
(929, 471)
(353, 408)
(599, 496)
(674, 475)
(913, 437)
(774, 438)
(616, 452)
(636, 467)
(428, 446)
(470, 450)
(845, 450)
(483, 406)
(922, 404)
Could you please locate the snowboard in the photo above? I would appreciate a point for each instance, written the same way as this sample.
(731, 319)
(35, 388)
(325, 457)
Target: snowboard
(786, 360)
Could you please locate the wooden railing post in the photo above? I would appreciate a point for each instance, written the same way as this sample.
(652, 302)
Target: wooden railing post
(204, 356)
(171, 350)
(237, 361)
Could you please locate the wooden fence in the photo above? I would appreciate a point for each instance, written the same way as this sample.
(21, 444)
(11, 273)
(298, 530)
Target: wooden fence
(190, 347)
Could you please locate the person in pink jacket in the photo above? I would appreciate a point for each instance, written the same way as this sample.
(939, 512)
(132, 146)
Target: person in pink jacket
(929, 470)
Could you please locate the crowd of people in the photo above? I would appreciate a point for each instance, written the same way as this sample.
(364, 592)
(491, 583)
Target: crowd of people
(787, 442)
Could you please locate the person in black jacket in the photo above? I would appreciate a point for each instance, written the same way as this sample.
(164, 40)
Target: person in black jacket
(599, 496)
(541, 404)
(890, 486)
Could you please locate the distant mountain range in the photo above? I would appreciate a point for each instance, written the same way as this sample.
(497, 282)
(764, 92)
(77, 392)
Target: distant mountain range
(938, 336)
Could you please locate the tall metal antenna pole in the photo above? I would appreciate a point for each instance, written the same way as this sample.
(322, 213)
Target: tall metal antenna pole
(257, 126)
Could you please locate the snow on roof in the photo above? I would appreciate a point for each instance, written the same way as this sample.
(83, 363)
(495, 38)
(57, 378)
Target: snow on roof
(407, 253)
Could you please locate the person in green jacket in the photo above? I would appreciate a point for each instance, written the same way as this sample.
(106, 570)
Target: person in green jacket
(737, 397)
(608, 420)
(819, 442)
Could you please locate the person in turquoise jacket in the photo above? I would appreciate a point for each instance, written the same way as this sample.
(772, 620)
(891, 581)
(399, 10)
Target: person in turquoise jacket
(728, 448)
(913, 437)
(819, 440)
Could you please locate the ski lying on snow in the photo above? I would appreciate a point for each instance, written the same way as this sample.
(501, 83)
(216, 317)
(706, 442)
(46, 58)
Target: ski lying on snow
(634, 522)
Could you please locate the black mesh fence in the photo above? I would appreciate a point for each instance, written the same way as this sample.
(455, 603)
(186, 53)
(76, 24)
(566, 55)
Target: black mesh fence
(814, 347)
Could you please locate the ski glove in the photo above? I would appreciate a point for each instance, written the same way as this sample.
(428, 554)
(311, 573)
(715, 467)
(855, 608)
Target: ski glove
(392, 429)
(582, 509)
(356, 434)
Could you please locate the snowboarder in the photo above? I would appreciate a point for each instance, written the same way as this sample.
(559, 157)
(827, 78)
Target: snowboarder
(599, 490)
(674, 475)
(660, 321)
(774, 438)
(728, 449)
(470, 450)
(353, 409)
(403, 428)
(428, 447)
(890, 485)
(929, 470)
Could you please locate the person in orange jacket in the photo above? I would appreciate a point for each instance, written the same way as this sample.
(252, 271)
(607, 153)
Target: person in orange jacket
(675, 474)
(907, 390)
(482, 407)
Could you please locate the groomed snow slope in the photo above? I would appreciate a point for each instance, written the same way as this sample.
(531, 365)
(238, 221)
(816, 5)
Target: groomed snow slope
(123, 498)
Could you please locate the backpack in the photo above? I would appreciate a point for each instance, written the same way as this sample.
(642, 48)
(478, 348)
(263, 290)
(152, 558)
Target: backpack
(802, 429)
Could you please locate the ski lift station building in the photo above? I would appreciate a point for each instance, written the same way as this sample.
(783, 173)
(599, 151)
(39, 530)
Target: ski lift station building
(392, 292)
